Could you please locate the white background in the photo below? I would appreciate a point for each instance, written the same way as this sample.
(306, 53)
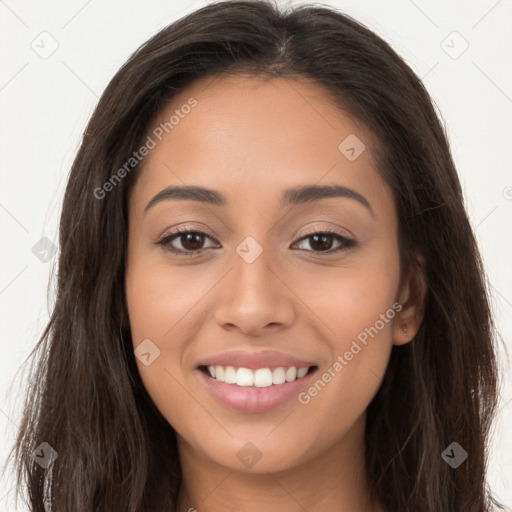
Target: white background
(45, 104)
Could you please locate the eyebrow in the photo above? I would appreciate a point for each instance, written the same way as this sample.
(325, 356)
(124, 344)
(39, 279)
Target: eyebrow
(291, 196)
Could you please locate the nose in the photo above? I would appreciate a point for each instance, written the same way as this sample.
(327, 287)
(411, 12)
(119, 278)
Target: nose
(254, 298)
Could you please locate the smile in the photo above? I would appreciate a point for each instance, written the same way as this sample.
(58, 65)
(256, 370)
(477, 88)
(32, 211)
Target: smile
(252, 391)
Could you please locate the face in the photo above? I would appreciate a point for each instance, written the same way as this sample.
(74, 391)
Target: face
(262, 276)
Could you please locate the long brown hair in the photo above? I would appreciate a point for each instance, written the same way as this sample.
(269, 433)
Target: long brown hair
(86, 400)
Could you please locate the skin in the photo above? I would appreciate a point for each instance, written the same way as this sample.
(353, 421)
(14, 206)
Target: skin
(250, 139)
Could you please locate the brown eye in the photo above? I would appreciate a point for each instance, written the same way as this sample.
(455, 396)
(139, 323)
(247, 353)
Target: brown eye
(322, 241)
(191, 242)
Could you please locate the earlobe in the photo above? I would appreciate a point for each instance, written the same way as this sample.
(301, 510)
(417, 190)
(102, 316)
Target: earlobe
(402, 335)
(412, 298)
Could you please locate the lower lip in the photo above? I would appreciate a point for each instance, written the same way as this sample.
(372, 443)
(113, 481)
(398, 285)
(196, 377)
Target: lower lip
(248, 399)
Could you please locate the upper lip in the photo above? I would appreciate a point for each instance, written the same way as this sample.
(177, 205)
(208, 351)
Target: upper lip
(255, 360)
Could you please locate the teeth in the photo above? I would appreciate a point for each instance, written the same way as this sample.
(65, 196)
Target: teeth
(260, 378)
(219, 373)
(244, 377)
(291, 374)
(279, 376)
(230, 375)
(301, 372)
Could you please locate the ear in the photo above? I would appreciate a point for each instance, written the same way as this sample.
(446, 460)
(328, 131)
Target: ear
(412, 293)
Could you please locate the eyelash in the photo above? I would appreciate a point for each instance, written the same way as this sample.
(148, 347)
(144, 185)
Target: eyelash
(347, 243)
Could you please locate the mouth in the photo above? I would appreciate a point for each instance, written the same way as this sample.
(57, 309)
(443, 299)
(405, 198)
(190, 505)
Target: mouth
(255, 390)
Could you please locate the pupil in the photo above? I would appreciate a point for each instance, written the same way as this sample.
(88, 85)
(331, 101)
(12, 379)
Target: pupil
(190, 240)
(322, 244)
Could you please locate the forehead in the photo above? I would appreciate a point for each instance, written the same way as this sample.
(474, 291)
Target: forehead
(254, 137)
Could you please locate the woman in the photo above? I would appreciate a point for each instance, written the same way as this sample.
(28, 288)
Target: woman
(269, 293)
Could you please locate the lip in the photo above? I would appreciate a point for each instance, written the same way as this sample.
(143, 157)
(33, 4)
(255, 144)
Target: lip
(252, 399)
(253, 360)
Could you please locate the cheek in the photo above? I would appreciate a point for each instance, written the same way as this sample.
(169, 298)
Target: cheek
(356, 304)
(160, 298)
(350, 297)
(153, 311)
(159, 302)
